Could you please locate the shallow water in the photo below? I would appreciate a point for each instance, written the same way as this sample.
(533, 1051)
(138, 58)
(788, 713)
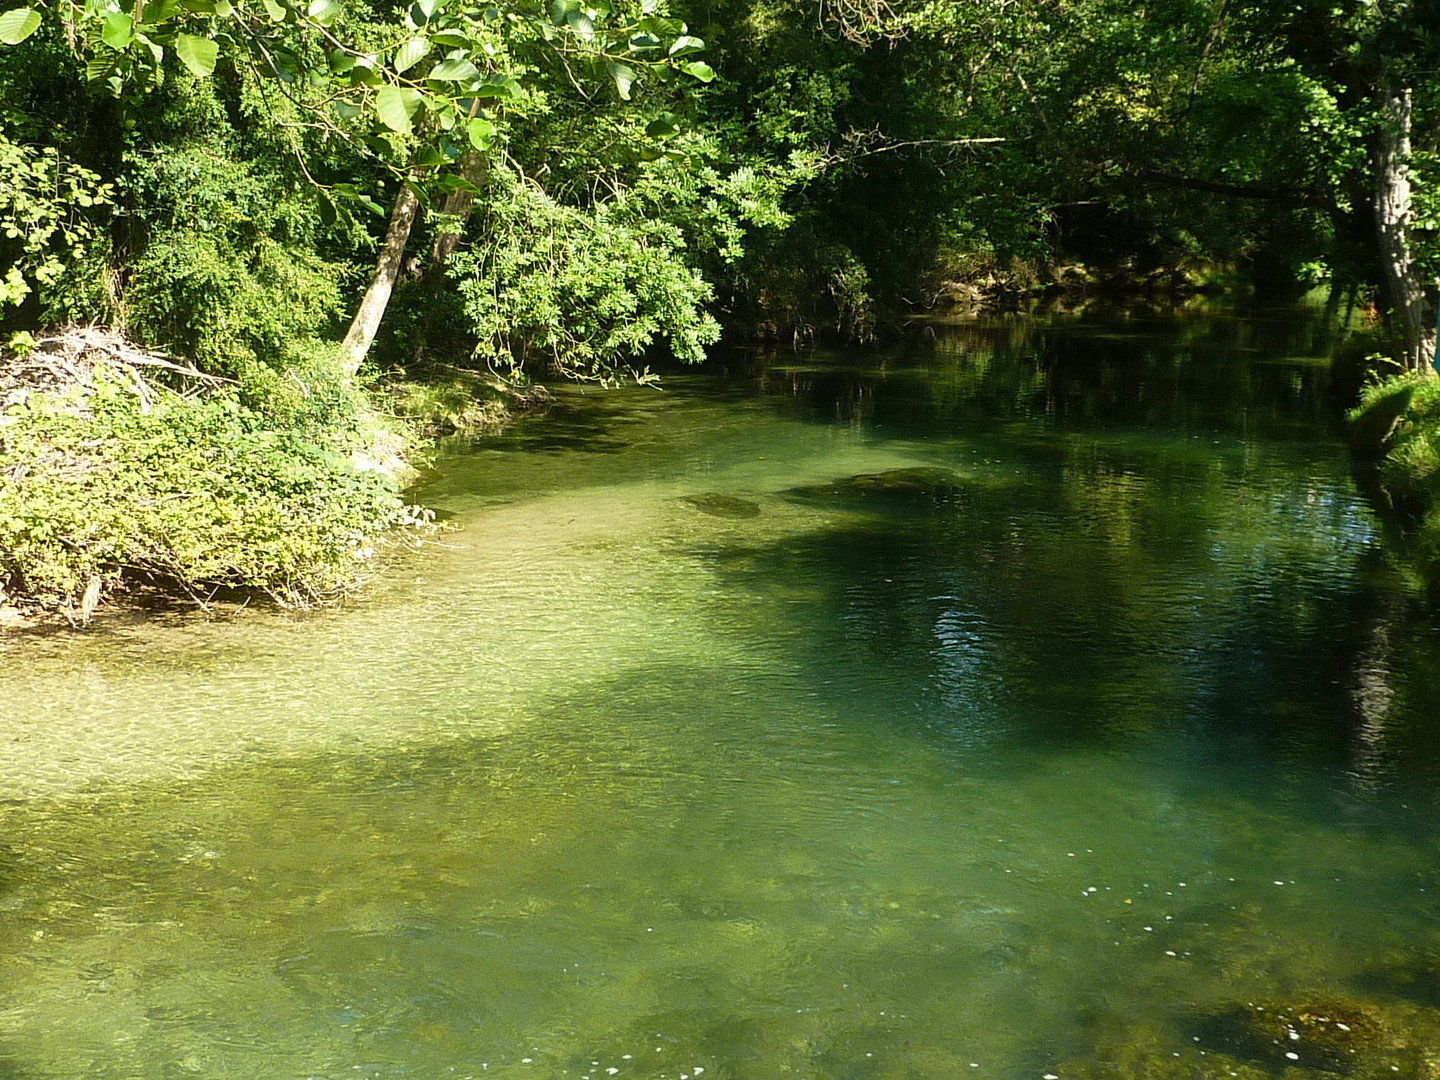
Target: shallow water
(685, 752)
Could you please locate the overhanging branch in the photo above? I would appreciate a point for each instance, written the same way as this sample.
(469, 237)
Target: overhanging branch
(1297, 196)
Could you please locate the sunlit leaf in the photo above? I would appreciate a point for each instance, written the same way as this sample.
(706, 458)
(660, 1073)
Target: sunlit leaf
(624, 77)
(17, 25)
(481, 131)
(391, 107)
(274, 10)
(580, 23)
(157, 52)
(99, 68)
(698, 69)
(685, 45)
(197, 53)
(411, 53)
(325, 12)
(116, 31)
(454, 71)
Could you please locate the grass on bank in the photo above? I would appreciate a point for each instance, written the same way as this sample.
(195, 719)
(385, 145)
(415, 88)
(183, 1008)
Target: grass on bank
(1396, 426)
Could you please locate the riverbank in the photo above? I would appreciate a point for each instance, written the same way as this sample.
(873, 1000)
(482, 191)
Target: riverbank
(134, 479)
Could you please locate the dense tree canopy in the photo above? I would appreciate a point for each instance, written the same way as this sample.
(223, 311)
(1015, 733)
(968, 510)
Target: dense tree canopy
(851, 161)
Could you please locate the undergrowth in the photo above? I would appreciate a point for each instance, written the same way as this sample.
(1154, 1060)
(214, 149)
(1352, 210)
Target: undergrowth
(1397, 424)
(103, 487)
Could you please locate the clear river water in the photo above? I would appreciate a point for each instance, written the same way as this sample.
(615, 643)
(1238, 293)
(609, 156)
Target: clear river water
(1033, 701)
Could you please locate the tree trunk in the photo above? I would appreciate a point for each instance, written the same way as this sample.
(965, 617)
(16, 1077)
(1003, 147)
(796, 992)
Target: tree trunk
(458, 205)
(382, 283)
(1392, 229)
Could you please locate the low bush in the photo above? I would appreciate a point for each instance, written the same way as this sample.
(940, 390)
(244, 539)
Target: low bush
(114, 481)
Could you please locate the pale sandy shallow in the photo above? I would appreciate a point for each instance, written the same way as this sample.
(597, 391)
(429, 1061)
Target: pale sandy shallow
(523, 597)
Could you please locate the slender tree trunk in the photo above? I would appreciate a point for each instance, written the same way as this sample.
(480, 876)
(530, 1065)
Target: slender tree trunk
(1392, 229)
(457, 205)
(382, 283)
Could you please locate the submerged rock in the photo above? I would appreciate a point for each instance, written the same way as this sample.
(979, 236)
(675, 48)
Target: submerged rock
(921, 483)
(1330, 1036)
(722, 506)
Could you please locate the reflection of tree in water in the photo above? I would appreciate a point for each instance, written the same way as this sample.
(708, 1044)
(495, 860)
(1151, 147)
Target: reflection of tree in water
(1373, 696)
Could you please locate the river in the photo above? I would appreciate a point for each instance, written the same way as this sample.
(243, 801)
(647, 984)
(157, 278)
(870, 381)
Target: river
(1035, 700)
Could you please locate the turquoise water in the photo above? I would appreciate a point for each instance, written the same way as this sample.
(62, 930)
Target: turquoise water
(1082, 735)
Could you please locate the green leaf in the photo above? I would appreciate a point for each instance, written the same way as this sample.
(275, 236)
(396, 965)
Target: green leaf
(157, 53)
(664, 126)
(452, 39)
(197, 53)
(560, 10)
(454, 71)
(157, 11)
(685, 45)
(498, 86)
(411, 53)
(481, 131)
(17, 25)
(393, 108)
(327, 211)
(644, 43)
(346, 110)
(274, 10)
(580, 23)
(99, 68)
(698, 69)
(447, 182)
(340, 61)
(325, 12)
(198, 7)
(116, 31)
(624, 77)
(661, 27)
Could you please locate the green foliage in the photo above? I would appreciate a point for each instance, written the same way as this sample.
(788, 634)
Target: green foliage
(51, 209)
(1399, 417)
(589, 289)
(191, 493)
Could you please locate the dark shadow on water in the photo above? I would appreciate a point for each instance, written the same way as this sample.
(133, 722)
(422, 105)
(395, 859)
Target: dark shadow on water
(1415, 979)
(1206, 373)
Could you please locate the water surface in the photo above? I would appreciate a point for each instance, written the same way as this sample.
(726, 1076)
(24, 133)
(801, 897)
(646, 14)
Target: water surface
(1088, 723)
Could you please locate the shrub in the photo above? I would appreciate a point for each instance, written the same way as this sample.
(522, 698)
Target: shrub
(105, 486)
